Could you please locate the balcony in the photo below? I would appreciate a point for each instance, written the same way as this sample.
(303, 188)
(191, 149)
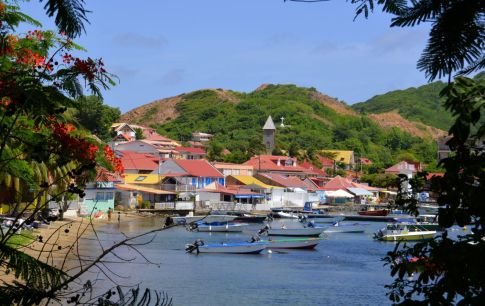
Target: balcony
(177, 187)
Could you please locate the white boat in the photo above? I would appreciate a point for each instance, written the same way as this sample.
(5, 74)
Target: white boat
(229, 248)
(403, 232)
(292, 243)
(217, 227)
(339, 227)
(287, 215)
(206, 219)
(310, 231)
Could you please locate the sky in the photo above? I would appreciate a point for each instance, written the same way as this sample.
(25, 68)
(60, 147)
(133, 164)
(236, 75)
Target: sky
(163, 48)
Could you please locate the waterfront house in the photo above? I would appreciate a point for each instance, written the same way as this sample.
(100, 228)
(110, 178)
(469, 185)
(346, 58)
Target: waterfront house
(99, 194)
(189, 174)
(138, 163)
(218, 197)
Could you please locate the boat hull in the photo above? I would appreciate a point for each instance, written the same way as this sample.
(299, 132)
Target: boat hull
(239, 227)
(295, 243)
(206, 219)
(408, 237)
(380, 212)
(345, 229)
(233, 248)
(296, 232)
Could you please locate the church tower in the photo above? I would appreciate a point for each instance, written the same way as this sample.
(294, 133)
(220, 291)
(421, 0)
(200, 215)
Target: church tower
(269, 130)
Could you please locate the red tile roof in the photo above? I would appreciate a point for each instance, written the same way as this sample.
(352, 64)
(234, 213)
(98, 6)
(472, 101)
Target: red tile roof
(326, 162)
(138, 161)
(337, 183)
(312, 169)
(157, 137)
(285, 181)
(270, 163)
(191, 150)
(198, 167)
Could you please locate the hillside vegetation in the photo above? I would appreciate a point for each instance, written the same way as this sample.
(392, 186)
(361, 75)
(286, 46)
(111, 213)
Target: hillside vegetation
(313, 121)
(421, 104)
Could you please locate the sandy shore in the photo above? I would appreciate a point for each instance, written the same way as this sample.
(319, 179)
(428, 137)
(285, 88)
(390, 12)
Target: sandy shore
(60, 244)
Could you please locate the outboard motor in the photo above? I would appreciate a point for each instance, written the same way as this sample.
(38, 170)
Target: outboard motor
(189, 248)
(192, 227)
(263, 230)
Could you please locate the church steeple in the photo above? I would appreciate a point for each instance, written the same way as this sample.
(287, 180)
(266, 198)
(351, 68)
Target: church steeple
(269, 130)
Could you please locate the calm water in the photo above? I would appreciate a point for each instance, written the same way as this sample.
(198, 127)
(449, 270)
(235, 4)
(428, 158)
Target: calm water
(344, 269)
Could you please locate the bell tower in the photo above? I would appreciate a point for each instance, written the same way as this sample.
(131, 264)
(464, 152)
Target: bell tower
(269, 130)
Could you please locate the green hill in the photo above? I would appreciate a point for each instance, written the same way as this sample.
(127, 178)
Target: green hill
(313, 121)
(420, 104)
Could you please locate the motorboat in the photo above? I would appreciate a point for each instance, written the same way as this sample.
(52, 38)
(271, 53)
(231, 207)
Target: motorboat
(229, 248)
(219, 227)
(403, 232)
(292, 243)
(287, 215)
(377, 212)
(244, 217)
(307, 231)
(339, 227)
(205, 218)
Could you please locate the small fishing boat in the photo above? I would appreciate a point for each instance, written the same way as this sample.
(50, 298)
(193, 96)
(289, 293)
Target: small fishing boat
(339, 227)
(220, 227)
(403, 232)
(292, 243)
(287, 215)
(308, 231)
(207, 219)
(377, 212)
(229, 248)
(246, 217)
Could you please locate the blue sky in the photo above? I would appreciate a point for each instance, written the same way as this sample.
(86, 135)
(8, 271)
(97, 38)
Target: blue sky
(162, 48)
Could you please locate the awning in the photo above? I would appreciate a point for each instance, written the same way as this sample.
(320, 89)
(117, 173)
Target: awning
(248, 196)
(359, 191)
(131, 187)
(339, 194)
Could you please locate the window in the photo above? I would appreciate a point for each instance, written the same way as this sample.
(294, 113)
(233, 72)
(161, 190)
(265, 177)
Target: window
(104, 196)
(140, 178)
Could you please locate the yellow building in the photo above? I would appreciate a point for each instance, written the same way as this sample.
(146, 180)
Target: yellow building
(342, 156)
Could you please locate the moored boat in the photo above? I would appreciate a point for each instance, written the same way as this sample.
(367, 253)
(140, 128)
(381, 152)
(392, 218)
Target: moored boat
(206, 219)
(403, 232)
(229, 248)
(309, 231)
(292, 243)
(220, 227)
(339, 227)
(377, 212)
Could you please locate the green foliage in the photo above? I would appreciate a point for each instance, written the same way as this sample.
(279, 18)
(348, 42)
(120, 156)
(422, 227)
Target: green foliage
(96, 116)
(311, 125)
(382, 180)
(421, 104)
(215, 151)
(448, 269)
(139, 134)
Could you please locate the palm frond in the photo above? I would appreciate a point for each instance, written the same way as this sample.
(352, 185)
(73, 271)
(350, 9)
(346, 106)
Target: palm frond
(34, 275)
(456, 40)
(70, 15)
